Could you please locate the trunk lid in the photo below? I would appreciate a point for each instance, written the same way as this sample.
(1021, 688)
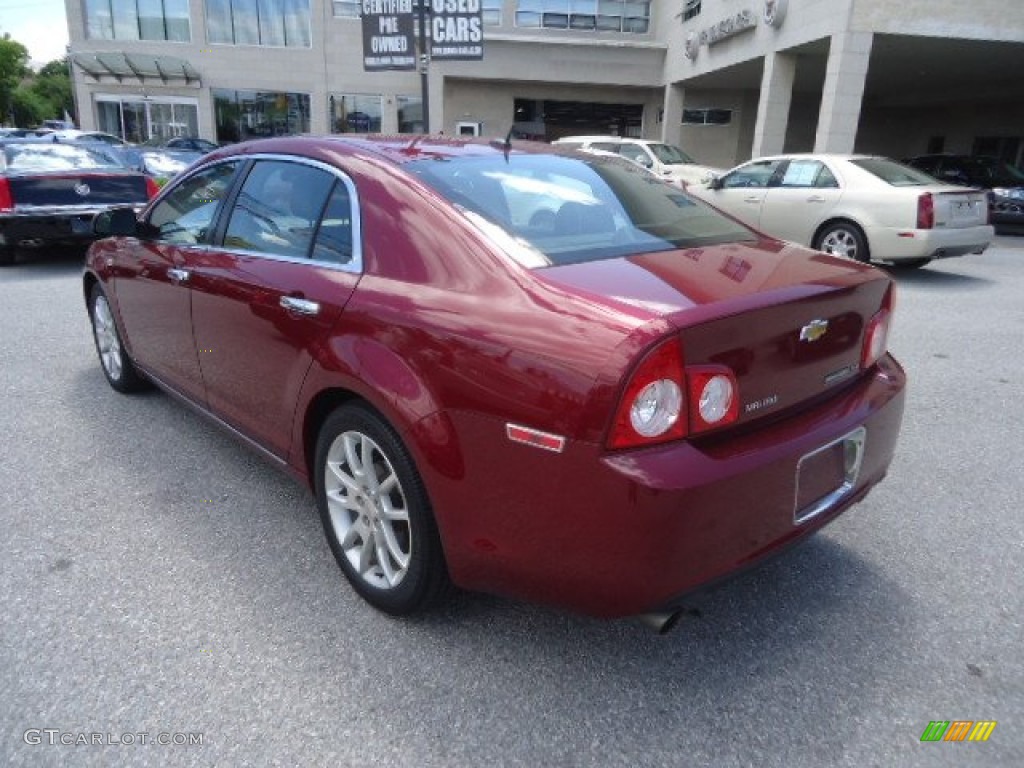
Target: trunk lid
(789, 322)
(76, 189)
(960, 207)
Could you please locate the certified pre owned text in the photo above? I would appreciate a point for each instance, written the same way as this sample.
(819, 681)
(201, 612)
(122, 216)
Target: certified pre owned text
(54, 736)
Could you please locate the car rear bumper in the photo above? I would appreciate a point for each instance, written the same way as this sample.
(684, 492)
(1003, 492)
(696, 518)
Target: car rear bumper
(904, 244)
(49, 225)
(630, 532)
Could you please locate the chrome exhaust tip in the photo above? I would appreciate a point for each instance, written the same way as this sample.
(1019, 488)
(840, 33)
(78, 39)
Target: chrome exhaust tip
(662, 622)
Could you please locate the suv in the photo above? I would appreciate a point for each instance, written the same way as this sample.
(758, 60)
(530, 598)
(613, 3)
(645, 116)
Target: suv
(664, 160)
(1004, 181)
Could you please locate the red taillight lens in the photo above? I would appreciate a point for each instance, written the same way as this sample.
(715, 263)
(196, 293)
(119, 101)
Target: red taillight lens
(876, 335)
(714, 397)
(152, 188)
(925, 211)
(6, 201)
(665, 400)
(651, 409)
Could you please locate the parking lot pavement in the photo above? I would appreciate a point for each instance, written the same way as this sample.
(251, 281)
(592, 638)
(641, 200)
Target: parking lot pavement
(157, 578)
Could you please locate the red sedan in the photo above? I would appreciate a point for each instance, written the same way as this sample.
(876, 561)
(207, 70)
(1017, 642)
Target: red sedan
(512, 368)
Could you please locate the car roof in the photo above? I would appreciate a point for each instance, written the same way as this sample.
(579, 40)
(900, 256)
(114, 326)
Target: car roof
(398, 149)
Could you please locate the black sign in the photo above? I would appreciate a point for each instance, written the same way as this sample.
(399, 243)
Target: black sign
(388, 40)
(456, 30)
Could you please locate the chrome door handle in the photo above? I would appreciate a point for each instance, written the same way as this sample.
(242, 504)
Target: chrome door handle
(300, 306)
(178, 275)
(815, 199)
(751, 199)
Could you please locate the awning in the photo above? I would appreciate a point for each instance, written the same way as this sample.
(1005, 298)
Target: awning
(137, 66)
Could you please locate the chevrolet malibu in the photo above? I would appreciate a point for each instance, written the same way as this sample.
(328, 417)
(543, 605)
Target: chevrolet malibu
(602, 409)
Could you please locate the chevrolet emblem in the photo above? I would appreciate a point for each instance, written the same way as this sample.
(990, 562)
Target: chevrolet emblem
(814, 330)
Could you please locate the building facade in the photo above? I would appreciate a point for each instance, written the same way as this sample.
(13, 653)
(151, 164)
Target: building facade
(724, 79)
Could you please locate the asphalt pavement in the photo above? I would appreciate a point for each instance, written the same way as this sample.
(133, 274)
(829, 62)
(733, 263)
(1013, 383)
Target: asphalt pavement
(161, 583)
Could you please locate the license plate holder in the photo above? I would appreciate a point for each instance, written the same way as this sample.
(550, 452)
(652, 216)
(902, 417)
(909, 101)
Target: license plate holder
(827, 474)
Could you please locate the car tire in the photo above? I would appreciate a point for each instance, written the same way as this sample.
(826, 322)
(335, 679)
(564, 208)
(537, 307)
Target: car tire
(376, 514)
(118, 368)
(842, 238)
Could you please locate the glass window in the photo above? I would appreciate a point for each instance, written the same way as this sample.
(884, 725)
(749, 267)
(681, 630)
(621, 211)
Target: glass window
(138, 20)
(334, 239)
(891, 172)
(347, 8)
(690, 9)
(253, 114)
(801, 173)
(492, 12)
(54, 157)
(707, 116)
(755, 175)
(355, 113)
(259, 22)
(410, 114)
(595, 15)
(186, 214)
(279, 208)
(670, 154)
(545, 209)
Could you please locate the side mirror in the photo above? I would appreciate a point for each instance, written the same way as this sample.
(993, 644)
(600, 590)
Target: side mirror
(116, 221)
(714, 182)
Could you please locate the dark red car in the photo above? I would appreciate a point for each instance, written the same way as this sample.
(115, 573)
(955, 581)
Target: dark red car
(515, 368)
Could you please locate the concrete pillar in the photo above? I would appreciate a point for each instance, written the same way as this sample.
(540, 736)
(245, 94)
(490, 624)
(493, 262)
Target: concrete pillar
(672, 115)
(848, 58)
(773, 107)
(436, 86)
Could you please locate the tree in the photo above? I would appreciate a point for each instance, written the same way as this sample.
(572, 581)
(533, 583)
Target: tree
(28, 108)
(13, 69)
(52, 85)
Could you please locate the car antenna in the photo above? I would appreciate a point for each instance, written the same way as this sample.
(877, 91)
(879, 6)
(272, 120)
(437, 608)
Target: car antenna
(507, 147)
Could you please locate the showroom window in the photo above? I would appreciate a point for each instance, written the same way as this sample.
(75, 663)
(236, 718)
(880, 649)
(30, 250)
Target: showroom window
(245, 115)
(137, 20)
(278, 23)
(355, 113)
(707, 116)
(410, 114)
(138, 120)
(592, 15)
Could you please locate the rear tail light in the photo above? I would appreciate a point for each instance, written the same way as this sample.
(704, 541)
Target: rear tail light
(6, 201)
(876, 336)
(152, 188)
(663, 400)
(713, 396)
(925, 211)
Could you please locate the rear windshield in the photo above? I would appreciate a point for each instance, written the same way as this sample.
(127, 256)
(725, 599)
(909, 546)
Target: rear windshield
(43, 157)
(670, 155)
(891, 172)
(548, 210)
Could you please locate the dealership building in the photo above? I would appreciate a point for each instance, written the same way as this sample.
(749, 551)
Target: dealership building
(724, 79)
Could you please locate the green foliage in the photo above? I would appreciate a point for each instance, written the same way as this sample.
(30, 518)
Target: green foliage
(27, 98)
(28, 107)
(13, 69)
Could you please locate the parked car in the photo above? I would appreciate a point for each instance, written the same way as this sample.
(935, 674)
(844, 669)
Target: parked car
(858, 206)
(74, 135)
(602, 414)
(50, 193)
(664, 160)
(161, 163)
(193, 143)
(1005, 182)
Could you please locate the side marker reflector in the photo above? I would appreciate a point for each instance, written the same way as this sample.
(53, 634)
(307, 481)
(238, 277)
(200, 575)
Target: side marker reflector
(520, 434)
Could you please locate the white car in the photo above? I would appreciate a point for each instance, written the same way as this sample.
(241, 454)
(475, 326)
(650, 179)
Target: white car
(664, 160)
(859, 206)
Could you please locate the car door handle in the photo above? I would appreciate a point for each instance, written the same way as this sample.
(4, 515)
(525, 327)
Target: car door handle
(178, 275)
(752, 199)
(300, 306)
(815, 199)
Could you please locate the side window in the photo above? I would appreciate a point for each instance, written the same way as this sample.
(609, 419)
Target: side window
(636, 154)
(278, 208)
(826, 179)
(754, 175)
(801, 173)
(185, 216)
(334, 240)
